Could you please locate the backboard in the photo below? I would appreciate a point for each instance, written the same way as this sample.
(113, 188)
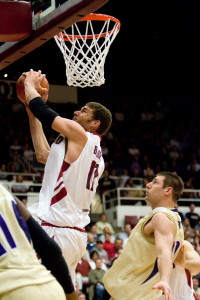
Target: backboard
(53, 17)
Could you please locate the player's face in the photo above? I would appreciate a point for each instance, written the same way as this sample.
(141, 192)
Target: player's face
(84, 117)
(155, 191)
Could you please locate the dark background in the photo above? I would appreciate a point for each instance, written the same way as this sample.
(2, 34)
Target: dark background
(157, 50)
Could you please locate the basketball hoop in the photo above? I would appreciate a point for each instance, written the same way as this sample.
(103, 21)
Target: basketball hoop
(85, 49)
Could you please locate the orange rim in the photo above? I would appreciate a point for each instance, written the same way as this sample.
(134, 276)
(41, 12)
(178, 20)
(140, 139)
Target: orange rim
(92, 17)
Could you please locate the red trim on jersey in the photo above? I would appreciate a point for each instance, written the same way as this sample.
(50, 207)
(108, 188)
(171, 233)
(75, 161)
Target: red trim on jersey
(97, 135)
(188, 278)
(51, 225)
(63, 192)
(59, 196)
(57, 187)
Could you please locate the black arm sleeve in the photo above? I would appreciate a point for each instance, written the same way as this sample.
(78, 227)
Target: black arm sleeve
(42, 111)
(51, 255)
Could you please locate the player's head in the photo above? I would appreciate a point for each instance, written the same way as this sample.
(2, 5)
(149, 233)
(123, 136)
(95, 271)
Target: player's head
(94, 117)
(102, 114)
(165, 186)
(175, 182)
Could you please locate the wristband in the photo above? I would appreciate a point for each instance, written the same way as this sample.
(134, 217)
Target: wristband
(42, 111)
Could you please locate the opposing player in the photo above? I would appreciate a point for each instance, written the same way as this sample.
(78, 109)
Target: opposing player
(144, 268)
(74, 164)
(21, 274)
(186, 265)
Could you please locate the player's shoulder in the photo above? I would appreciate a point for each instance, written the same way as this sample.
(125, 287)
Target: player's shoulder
(161, 218)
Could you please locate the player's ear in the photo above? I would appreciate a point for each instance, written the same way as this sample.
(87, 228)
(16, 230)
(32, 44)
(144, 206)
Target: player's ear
(168, 190)
(95, 124)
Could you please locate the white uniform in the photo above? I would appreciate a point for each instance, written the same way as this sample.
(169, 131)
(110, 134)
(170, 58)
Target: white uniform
(181, 285)
(20, 270)
(66, 195)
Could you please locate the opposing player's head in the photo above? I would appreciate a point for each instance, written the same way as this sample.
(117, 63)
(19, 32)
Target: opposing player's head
(94, 117)
(175, 182)
(164, 190)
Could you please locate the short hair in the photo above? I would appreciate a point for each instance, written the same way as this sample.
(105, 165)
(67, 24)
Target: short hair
(174, 181)
(102, 114)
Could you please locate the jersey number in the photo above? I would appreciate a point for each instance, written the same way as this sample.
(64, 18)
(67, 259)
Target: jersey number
(93, 173)
(8, 236)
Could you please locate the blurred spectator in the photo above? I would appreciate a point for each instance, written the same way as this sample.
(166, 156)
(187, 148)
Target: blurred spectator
(90, 242)
(82, 271)
(148, 172)
(108, 245)
(93, 257)
(187, 227)
(194, 166)
(131, 193)
(133, 151)
(124, 235)
(106, 183)
(93, 230)
(196, 284)
(173, 153)
(27, 152)
(2, 171)
(20, 187)
(96, 289)
(102, 223)
(112, 248)
(180, 213)
(81, 296)
(15, 147)
(197, 226)
(102, 253)
(136, 170)
(124, 176)
(105, 150)
(192, 216)
(189, 194)
(15, 164)
(102, 237)
(119, 115)
(196, 242)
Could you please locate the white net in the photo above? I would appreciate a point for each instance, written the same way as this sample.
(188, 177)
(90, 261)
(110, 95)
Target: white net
(84, 50)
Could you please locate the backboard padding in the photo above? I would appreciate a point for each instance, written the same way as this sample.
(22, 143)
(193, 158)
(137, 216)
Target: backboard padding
(61, 18)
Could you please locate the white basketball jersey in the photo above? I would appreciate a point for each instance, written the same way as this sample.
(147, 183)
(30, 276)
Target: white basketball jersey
(181, 285)
(68, 189)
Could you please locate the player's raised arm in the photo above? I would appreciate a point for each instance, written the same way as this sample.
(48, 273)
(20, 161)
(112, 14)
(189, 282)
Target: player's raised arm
(45, 114)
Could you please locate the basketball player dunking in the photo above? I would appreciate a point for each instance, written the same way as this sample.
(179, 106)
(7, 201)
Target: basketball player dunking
(74, 164)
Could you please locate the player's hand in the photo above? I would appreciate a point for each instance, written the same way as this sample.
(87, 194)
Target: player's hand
(165, 287)
(34, 78)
